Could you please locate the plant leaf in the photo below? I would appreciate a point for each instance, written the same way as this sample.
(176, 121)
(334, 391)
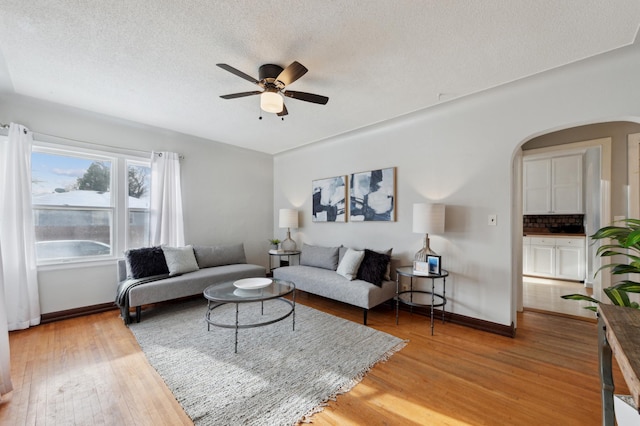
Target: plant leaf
(628, 286)
(580, 297)
(633, 238)
(617, 297)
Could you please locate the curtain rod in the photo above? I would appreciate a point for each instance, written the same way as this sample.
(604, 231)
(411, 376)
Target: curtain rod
(6, 126)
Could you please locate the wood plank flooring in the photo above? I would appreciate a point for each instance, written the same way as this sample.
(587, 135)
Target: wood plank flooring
(91, 371)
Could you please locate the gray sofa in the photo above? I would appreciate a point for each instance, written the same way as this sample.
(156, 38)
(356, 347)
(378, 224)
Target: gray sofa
(189, 271)
(327, 272)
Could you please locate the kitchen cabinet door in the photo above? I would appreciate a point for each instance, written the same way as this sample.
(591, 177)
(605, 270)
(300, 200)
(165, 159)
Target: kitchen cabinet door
(566, 184)
(543, 260)
(526, 255)
(570, 258)
(537, 187)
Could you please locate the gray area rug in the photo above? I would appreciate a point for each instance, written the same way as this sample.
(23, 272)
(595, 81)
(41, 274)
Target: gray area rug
(278, 377)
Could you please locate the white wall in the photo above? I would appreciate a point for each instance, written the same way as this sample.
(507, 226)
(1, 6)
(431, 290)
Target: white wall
(462, 154)
(227, 192)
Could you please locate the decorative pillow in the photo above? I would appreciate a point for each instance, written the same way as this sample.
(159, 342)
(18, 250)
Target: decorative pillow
(350, 264)
(180, 260)
(209, 256)
(146, 262)
(373, 267)
(320, 257)
(387, 274)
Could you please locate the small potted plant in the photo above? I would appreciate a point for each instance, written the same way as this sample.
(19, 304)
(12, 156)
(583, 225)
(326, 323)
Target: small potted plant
(274, 243)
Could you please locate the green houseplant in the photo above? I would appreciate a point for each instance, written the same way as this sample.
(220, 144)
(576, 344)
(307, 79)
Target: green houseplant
(625, 241)
(274, 243)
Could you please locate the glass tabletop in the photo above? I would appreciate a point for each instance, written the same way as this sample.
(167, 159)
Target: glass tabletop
(228, 292)
(407, 271)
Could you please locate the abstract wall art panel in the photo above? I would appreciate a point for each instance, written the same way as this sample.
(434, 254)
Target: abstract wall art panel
(372, 196)
(329, 199)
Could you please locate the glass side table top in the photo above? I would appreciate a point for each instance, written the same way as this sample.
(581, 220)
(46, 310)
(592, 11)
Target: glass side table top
(407, 271)
(229, 293)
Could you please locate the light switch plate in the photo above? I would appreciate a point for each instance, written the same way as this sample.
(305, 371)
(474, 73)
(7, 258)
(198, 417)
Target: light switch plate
(493, 219)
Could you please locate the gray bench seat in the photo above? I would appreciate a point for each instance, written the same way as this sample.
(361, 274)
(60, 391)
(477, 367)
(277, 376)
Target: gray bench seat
(327, 283)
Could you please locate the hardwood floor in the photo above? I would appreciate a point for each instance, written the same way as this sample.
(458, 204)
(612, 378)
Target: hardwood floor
(91, 371)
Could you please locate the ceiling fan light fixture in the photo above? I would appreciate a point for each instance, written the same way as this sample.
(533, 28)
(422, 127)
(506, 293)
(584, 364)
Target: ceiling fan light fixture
(271, 101)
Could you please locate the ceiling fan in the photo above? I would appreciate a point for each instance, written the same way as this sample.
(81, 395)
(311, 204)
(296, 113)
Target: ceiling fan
(273, 79)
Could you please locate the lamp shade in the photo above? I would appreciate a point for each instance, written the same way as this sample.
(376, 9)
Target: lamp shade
(271, 102)
(428, 218)
(288, 218)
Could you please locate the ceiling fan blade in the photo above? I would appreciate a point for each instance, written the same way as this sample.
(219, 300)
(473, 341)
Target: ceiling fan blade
(292, 73)
(239, 73)
(240, 95)
(309, 97)
(284, 111)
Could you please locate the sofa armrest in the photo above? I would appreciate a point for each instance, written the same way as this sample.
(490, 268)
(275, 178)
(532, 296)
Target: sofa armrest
(122, 270)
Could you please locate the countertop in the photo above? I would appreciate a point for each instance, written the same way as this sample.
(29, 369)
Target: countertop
(552, 234)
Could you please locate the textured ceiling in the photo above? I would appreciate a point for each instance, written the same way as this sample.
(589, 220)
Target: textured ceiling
(153, 62)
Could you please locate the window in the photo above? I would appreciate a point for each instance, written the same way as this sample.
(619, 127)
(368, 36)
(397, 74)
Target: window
(78, 214)
(138, 204)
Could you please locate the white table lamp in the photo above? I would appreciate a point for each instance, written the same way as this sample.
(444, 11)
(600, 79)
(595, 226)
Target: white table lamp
(427, 218)
(288, 219)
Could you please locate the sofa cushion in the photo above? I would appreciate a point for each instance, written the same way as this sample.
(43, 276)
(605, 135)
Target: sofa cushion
(373, 267)
(209, 256)
(350, 264)
(146, 262)
(180, 260)
(320, 257)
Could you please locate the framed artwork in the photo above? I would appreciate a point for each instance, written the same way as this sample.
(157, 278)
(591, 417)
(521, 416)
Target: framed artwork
(329, 199)
(434, 265)
(372, 196)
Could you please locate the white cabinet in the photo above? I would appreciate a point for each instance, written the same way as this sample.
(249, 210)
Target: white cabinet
(553, 185)
(559, 257)
(543, 257)
(526, 248)
(570, 258)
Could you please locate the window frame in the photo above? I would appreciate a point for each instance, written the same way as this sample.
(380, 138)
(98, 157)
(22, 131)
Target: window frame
(120, 160)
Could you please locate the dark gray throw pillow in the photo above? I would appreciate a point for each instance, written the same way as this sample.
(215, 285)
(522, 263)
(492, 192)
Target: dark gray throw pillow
(320, 257)
(373, 267)
(146, 262)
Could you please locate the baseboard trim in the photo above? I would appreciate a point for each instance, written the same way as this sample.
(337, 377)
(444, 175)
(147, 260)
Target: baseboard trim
(491, 327)
(76, 312)
(478, 324)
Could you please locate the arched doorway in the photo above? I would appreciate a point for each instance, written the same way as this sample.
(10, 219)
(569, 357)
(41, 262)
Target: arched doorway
(605, 198)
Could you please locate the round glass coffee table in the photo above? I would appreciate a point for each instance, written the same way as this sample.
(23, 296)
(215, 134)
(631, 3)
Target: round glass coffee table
(221, 294)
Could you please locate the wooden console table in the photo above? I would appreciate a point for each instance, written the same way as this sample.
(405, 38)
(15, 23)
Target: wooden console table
(619, 335)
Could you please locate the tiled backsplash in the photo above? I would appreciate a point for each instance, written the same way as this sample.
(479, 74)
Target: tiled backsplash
(570, 223)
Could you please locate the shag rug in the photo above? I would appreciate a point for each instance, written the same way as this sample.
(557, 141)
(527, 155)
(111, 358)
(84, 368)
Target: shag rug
(278, 377)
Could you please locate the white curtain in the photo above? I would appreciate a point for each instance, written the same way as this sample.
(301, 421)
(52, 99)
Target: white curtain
(17, 235)
(19, 299)
(166, 223)
(5, 364)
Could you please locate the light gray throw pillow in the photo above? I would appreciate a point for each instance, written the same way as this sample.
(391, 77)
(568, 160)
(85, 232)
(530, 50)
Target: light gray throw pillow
(180, 260)
(320, 257)
(210, 256)
(350, 263)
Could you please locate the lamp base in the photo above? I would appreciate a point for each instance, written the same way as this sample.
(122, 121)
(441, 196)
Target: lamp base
(421, 255)
(288, 244)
